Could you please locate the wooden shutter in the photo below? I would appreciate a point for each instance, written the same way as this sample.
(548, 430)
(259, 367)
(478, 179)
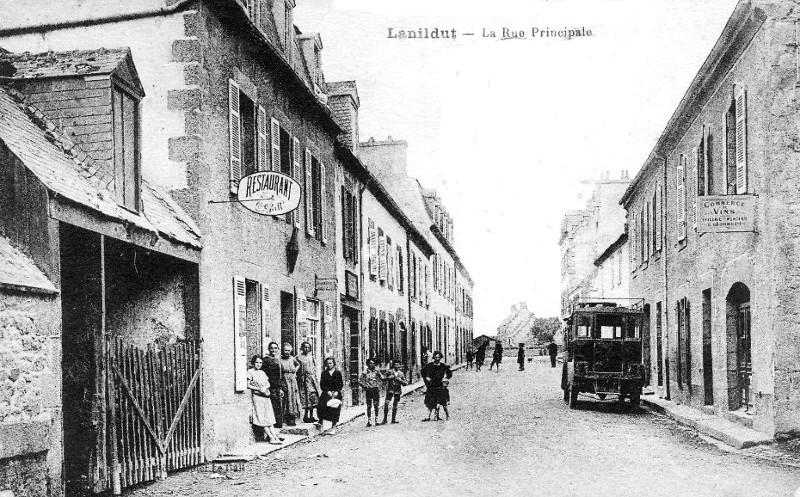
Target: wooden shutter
(741, 141)
(265, 338)
(373, 248)
(646, 232)
(427, 287)
(680, 197)
(235, 128)
(323, 204)
(659, 214)
(263, 160)
(309, 192)
(633, 238)
(239, 334)
(275, 139)
(708, 169)
(389, 264)
(381, 256)
(296, 172)
(301, 310)
(695, 188)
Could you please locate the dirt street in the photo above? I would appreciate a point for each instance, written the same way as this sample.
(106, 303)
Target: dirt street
(509, 434)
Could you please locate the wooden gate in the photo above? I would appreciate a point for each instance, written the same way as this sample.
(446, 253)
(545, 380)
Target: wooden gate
(154, 410)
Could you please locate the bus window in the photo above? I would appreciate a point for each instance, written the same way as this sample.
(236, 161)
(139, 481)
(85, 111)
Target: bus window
(610, 326)
(583, 325)
(633, 327)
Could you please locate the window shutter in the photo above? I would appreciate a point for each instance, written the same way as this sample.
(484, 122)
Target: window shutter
(323, 203)
(239, 334)
(296, 172)
(680, 197)
(275, 138)
(741, 141)
(264, 317)
(301, 307)
(262, 139)
(381, 256)
(695, 188)
(646, 232)
(633, 238)
(659, 214)
(309, 196)
(328, 312)
(373, 248)
(235, 127)
(389, 264)
(427, 288)
(708, 170)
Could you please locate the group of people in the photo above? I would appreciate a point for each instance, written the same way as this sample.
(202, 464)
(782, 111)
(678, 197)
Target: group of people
(478, 358)
(283, 385)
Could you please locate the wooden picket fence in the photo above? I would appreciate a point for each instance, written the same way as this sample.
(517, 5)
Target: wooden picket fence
(155, 410)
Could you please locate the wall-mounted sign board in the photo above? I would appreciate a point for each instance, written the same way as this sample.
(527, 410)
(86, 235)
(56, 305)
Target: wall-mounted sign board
(269, 193)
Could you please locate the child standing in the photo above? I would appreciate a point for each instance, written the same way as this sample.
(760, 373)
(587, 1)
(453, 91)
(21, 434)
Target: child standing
(371, 382)
(396, 380)
(470, 356)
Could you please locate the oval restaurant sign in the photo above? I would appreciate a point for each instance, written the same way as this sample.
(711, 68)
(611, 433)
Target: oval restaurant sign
(269, 193)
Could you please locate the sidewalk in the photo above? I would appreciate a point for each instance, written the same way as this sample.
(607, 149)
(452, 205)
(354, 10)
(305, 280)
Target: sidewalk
(733, 434)
(297, 434)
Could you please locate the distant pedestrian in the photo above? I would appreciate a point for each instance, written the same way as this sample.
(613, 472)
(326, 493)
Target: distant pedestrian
(552, 349)
(497, 356)
(370, 381)
(395, 381)
(480, 357)
(436, 376)
(330, 401)
(521, 357)
(470, 356)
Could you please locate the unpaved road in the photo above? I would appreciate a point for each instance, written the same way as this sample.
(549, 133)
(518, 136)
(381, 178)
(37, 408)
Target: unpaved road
(509, 434)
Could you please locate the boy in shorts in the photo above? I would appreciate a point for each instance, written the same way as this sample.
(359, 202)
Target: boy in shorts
(396, 380)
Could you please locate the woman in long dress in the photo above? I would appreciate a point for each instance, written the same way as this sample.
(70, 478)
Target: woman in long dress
(262, 416)
(330, 401)
(291, 392)
(307, 381)
(272, 366)
(436, 376)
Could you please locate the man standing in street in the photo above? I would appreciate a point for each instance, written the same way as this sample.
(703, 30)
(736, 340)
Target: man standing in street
(552, 349)
(521, 357)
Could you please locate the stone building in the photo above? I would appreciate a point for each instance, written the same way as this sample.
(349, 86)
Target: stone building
(92, 251)
(586, 234)
(233, 88)
(517, 327)
(713, 241)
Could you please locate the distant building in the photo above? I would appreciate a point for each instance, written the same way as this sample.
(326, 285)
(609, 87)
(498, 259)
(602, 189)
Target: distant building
(586, 234)
(517, 327)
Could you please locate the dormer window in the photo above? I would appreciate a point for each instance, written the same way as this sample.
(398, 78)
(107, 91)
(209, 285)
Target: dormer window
(127, 156)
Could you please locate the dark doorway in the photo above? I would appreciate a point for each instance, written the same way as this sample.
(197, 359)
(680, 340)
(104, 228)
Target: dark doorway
(659, 346)
(740, 367)
(648, 363)
(352, 328)
(287, 319)
(684, 357)
(708, 371)
(82, 378)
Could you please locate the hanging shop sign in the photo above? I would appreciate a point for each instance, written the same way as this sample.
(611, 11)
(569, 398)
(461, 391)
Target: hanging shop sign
(725, 213)
(269, 193)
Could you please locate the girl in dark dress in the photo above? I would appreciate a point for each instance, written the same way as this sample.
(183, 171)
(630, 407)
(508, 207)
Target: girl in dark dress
(480, 356)
(436, 376)
(497, 356)
(331, 384)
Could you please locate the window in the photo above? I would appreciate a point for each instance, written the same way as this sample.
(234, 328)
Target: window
(390, 271)
(127, 179)
(250, 311)
(583, 326)
(633, 328)
(248, 134)
(736, 144)
(412, 275)
(373, 249)
(285, 155)
(705, 171)
(313, 325)
(609, 326)
(316, 198)
(680, 197)
(381, 256)
(400, 270)
(349, 232)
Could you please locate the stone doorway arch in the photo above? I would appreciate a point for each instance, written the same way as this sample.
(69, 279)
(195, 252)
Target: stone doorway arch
(738, 338)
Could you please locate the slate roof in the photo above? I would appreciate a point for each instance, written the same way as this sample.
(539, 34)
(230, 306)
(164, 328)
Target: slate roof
(28, 65)
(17, 270)
(67, 171)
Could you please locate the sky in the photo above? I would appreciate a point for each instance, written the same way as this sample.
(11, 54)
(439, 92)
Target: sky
(512, 133)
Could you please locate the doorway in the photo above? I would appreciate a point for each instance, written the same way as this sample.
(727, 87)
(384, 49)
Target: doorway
(646, 356)
(738, 333)
(351, 326)
(287, 319)
(659, 347)
(708, 371)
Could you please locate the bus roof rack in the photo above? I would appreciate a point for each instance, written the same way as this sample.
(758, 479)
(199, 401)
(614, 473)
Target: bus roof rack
(602, 303)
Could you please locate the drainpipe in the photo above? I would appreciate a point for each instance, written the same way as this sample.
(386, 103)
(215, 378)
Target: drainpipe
(665, 278)
(93, 21)
(361, 276)
(408, 300)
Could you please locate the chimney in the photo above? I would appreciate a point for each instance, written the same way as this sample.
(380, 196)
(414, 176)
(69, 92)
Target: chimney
(389, 156)
(343, 101)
